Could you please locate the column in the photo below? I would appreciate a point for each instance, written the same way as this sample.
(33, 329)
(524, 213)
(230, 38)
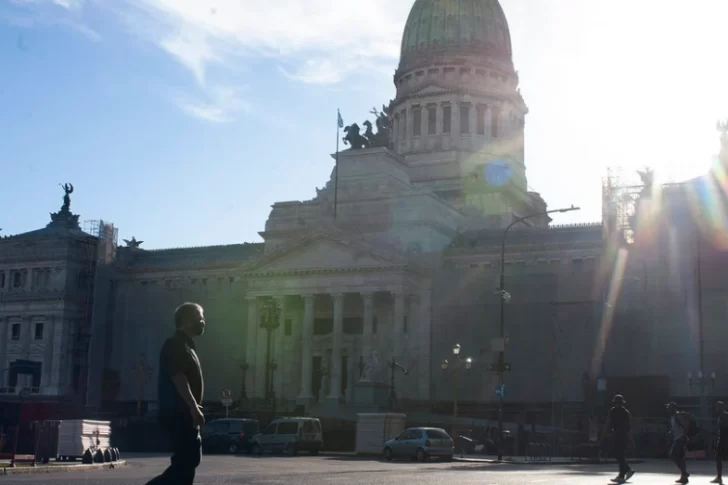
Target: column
(488, 121)
(368, 333)
(398, 327)
(4, 324)
(307, 350)
(338, 344)
(260, 357)
(278, 339)
(252, 341)
(48, 356)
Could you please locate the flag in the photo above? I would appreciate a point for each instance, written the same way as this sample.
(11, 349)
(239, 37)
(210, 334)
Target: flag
(340, 120)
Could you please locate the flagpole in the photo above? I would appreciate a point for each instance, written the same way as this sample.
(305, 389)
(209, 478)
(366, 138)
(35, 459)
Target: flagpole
(336, 170)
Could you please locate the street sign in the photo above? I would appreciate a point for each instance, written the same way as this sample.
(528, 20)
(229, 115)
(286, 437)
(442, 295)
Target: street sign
(495, 367)
(227, 400)
(500, 391)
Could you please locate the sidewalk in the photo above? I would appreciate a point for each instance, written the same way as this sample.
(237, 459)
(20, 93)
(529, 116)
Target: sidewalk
(520, 460)
(55, 467)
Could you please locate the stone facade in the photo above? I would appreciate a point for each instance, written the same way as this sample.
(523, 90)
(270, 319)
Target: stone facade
(407, 268)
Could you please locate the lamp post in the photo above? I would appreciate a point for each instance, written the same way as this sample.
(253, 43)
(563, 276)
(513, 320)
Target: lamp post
(243, 394)
(393, 366)
(702, 384)
(270, 322)
(454, 370)
(505, 297)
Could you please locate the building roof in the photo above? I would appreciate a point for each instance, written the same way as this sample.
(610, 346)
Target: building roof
(568, 234)
(452, 27)
(231, 255)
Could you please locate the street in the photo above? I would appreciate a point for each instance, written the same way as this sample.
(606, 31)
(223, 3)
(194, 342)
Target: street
(333, 470)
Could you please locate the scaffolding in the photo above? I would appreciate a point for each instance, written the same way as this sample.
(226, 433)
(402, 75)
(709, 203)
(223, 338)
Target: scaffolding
(619, 203)
(102, 229)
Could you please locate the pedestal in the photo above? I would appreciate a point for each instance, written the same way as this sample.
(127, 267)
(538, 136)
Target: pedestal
(371, 394)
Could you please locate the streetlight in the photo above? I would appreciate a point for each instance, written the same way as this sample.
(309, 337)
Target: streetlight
(393, 366)
(459, 365)
(270, 322)
(505, 297)
(701, 384)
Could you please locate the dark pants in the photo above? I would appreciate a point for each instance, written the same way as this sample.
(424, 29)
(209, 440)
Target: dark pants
(620, 454)
(186, 452)
(677, 453)
(721, 452)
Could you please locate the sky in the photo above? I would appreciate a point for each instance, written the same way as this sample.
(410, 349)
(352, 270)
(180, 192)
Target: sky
(183, 121)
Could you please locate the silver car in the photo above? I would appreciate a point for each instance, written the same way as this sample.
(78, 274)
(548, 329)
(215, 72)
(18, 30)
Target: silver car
(420, 444)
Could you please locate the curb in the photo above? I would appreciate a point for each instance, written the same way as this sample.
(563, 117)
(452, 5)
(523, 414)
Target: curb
(30, 470)
(540, 462)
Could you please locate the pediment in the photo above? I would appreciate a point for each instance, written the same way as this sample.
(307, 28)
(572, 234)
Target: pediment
(431, 89)
(326, 253)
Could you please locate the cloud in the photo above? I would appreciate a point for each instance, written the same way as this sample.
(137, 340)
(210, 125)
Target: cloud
(221, 104)
(318, 41)
(45, 13)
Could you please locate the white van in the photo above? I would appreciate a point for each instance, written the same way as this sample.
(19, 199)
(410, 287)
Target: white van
(290, 435)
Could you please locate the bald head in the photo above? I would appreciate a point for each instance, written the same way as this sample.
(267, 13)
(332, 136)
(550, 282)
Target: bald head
(190, 318)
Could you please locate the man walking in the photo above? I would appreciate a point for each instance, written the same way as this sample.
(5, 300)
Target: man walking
(721, 448)
(618, 427)
(679, 425)
(180, 396)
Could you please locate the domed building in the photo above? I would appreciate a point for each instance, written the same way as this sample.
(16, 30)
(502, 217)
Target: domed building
(458, 115)
(396, 260)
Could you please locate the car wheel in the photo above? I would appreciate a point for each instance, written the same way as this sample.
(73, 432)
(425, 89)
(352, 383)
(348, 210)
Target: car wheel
(447, 458)
(291, 449)
(233, 449)
(388, 454)
(421, 455)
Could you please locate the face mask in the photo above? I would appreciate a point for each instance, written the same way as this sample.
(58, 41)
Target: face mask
(197, 329)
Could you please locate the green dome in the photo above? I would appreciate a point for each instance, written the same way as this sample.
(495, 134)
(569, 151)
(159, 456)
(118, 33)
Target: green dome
(447, 27)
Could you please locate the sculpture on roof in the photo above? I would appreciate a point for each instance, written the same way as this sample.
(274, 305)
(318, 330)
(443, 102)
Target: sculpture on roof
(370, 139)
(64, 218)
(133, 243)
(723, 129)
(354, 138)
(68, 190)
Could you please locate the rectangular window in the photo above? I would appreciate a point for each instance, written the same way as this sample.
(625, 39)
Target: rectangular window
(323, 326)
(288, 327)
(39, 331)
(432, 120)
(17, 279)
(353, 325)
(446, 118)
(2, 279)
(464, 119)
(417, 122)
(15, 331)
(480, 113)
(494, 123)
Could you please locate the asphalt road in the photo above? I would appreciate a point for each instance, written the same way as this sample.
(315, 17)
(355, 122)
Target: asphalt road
(329, 470)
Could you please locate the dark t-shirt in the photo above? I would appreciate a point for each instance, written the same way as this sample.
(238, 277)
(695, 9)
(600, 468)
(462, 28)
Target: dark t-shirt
(620, 420)
(178, 356)
(723, 426)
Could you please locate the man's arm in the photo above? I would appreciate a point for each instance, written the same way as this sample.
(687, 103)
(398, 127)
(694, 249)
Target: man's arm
(184, 390)
(172, 362)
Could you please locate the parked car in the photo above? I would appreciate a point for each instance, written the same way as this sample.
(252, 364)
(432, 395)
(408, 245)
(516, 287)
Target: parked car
(420, 444)
(229, 435)
(290, 435)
